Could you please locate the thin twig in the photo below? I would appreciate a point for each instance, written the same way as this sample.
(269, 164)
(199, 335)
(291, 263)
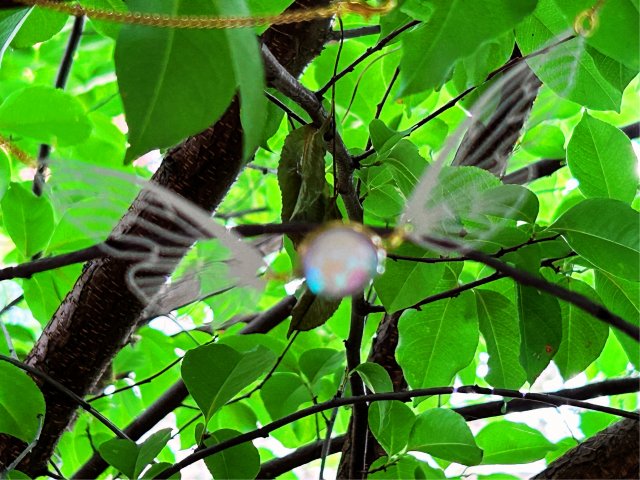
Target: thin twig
(359, 417)
(61, 81)
(287, 84)
(380, 105)
(383, 42)
(28, 448)
(282, 106)
(137, 384)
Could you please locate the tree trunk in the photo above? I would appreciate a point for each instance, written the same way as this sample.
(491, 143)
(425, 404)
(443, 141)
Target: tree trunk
(612, 453)
(98, 316)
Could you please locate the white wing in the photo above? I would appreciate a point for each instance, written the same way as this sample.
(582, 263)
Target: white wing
(177, 251)
(460, 197)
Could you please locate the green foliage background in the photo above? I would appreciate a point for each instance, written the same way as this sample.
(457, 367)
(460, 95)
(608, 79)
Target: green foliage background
(167, 84)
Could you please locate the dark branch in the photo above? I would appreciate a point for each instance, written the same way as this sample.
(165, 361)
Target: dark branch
(367, 30)
(552, 400)
(367, 53)
(312, 451)
(525, 278)
(61, 82)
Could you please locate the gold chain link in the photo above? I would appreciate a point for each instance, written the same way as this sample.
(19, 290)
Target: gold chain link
(341, 7)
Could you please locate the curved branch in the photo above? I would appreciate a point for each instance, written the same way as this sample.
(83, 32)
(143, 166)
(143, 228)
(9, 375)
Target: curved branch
(554, 400)
(312, 451)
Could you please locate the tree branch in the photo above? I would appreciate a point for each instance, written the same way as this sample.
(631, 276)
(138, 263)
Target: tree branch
(293, 89)
(61, 81)
(308, 453)
(547, 166)
(525, 278)
(177, 393)
(383, 42)
(553, 400)
(358, 32)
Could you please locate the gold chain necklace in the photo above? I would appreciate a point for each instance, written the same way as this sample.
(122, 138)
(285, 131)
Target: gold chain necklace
(340, 7)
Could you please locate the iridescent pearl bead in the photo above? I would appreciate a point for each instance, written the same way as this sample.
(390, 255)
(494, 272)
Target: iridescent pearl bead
(340, 261)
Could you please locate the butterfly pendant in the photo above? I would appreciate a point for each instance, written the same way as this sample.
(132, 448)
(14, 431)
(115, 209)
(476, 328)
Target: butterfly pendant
(460, 202)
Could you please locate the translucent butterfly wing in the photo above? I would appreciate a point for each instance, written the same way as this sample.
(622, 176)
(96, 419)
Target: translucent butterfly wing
(460, 197)
(155, 233)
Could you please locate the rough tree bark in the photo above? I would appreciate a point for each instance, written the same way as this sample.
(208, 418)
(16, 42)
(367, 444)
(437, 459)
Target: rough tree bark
(98, 316)
(612, 453)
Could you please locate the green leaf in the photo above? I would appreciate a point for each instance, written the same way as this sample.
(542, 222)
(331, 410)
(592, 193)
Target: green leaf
(574, 70)
(405, 283)
(383, 138)
(27, 219)
(311, 311)
(444, 434)
(45, 114)
(301, 176)
(385, 201)
(375, 377)
(150, 448)
(617, 23)
(594, 422)
(583, 337)
(509, 202)
(41, 24)
(5, 173)
(21, 403)
(437, 342)
(283, 393)
(320, 362)
(16, 475)
(215, 373)
(407, 166)
(511, 443)
(167, 76)
(496, 314)
(544, 140)
(406, 466)
(45, 291)
(474, 69)
(601, 158)
(11, 20)
(540, 329)
(391, 422)
(246, 62)
(157, 468)
(561, 447)
(455, 30)
(109, 29)
(241, 461)
(622, 297)
(131, 459)
(606, 233)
